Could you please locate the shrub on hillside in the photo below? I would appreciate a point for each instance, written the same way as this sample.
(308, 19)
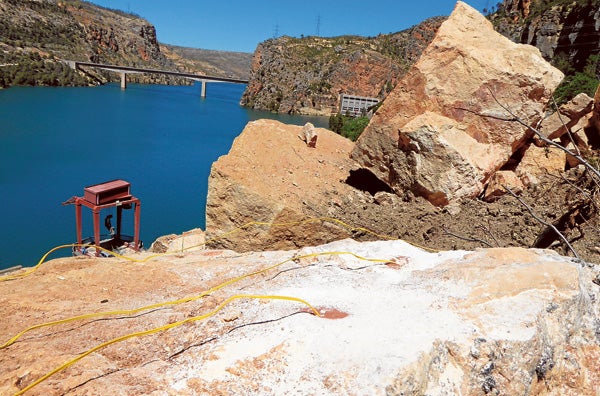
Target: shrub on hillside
(576, 82)
(348, 127)
(33, 70)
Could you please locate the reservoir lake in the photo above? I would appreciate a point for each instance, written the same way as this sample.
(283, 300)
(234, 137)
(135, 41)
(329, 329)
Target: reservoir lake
(161, 139)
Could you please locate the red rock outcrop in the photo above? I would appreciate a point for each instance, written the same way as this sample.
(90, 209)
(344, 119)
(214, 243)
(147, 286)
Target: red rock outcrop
(442, 132)
(498, 321)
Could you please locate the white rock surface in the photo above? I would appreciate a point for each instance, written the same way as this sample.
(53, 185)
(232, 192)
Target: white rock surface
(508, 321)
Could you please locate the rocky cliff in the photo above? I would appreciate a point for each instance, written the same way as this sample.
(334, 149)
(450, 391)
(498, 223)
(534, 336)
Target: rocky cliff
(77, 30)
(564, 31)
(307, 75)
(36, 34)
(384, 318)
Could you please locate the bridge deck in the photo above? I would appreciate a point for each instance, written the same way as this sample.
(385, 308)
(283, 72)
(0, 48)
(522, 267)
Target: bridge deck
(130, 69)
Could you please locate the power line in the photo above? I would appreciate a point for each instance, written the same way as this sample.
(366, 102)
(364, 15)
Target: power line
(318, 25)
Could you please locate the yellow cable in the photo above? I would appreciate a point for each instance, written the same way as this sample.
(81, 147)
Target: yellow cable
(237, 229)
(159, 329)
(294, 223)
(187, 299)
(33, 269)
(182, 300)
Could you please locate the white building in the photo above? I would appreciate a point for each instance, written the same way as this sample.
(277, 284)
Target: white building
(356, 105)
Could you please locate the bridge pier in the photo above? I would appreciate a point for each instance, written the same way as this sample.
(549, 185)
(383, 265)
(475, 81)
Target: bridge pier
(72, 64)
(123, 80)
(203, 89)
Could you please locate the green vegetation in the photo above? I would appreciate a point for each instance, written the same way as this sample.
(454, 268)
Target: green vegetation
(390, 46)
(318, 87)
(348, 127)
(576, 82)
(32, 69)
(57, 32)
(538, 7)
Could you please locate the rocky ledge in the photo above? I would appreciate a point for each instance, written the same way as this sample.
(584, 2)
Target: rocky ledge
(406, 321)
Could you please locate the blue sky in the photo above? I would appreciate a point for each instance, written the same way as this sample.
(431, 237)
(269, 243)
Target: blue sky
(239, 25)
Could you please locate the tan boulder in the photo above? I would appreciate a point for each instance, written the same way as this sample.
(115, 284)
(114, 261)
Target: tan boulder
(272, 176)
(577, 140)
(567, 117)
(572, 162)
(495, 187)
(188, 241)
(577, 107)
(442, 131)
(540, 161)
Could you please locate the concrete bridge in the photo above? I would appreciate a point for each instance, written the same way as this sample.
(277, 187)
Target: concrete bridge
(124, 70)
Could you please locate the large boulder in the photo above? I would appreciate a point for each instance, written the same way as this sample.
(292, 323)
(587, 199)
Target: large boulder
(191, 240)
(265, 192)
(492, 322)
(567, 117)
(443, 132)
(538, 162)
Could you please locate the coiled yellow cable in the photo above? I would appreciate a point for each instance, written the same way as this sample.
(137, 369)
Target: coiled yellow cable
(159, 329)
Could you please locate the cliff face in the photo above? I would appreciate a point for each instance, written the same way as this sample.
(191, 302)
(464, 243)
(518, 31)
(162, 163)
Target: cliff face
(567, 29)
(79, 31)
(307, 75)
(214, 63)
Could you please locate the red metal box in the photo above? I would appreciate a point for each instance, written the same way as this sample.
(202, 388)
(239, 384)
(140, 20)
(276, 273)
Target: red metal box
(103, 193)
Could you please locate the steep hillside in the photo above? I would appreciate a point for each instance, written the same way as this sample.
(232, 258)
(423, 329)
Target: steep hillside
(566, 29)
(75, 30)
(307, 75)
(214, 63)
(36, 34)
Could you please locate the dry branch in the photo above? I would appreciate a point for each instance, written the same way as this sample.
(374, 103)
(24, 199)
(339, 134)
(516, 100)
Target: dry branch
(544, 138)
(468, 239)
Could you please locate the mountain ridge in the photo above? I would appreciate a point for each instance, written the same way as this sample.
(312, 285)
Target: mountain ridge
(307, 75)
(36, 34)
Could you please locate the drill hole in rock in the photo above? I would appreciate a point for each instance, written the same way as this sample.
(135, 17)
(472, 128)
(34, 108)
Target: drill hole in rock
(327, 312)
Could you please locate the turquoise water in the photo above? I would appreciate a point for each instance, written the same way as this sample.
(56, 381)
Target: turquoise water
(161, 139)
